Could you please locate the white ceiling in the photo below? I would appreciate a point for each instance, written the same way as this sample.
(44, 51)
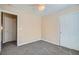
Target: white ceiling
(54, 8)
(50, 8)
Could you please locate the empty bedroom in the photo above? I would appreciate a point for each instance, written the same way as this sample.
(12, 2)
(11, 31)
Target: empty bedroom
(39, 29)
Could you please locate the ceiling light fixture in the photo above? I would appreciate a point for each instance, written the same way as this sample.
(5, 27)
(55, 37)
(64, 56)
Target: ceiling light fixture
(40, 7)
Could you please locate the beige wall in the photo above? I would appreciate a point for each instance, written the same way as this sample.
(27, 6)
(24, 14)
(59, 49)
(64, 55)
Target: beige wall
(51, 32)
(29, 28)
(50, 29)
(29, 24)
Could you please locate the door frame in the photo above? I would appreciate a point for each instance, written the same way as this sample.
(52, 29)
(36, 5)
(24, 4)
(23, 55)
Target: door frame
(2, 26)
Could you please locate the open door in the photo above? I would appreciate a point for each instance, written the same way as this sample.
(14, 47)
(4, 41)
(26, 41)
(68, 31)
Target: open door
(0, 32)
(8, 28)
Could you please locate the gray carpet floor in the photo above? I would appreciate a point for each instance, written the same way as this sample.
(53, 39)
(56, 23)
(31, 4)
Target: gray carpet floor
(36, 48)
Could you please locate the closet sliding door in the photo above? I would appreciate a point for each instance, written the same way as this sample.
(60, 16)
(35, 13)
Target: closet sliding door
(69, 31)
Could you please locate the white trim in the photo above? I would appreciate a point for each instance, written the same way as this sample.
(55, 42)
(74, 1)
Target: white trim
(10, 12)
(50, 42)
(28, 42)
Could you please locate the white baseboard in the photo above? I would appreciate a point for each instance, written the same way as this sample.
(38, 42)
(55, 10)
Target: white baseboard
(43, 40)
(28, 42)
(58, 44)
(49, 41)
(70, 48)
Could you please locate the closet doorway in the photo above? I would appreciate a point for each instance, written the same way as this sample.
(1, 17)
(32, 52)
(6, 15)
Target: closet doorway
(9, 28)
(69, 28)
